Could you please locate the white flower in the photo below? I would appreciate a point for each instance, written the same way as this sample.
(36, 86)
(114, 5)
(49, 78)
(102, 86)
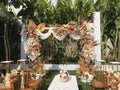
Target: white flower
(117, 74)
(86, 78)
(19, 67)
(110, 71)
(90, 27)
(61, 71)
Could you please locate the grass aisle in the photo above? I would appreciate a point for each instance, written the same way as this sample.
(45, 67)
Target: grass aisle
(44, 84)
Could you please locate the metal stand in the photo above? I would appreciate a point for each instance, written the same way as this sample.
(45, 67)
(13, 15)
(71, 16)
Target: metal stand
(7, 65)
(22, 63)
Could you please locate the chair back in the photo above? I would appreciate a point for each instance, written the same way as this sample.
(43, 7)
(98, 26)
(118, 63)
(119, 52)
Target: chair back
(100, 75)
(26, 75)
(100, 80)
(17, 82)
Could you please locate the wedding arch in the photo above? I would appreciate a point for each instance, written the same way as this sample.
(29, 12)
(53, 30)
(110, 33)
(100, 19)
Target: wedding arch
(96, 34)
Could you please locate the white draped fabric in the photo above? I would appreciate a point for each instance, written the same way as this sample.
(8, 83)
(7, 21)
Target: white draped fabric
(50, 32)
(75, 37)
(60, 38)
(45, 35)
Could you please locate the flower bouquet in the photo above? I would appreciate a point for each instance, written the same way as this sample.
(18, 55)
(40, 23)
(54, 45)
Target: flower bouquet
(64, 75)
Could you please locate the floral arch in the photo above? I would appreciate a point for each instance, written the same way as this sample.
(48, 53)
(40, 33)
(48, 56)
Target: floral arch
(83, 31)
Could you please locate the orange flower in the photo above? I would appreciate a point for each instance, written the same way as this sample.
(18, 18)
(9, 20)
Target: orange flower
(88, 36)
(71, 29)
(37, 46)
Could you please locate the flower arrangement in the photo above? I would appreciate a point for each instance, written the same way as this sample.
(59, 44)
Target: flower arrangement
(117, 74)
(111, 72)
(85, 71)
(86, 78)
(38, 70)
(33, 48)
(2, 80)
(59, 30)
(33, 45)
(80, 30)
(5, 80)
(72, 28)
(64, 75)
(88, 43)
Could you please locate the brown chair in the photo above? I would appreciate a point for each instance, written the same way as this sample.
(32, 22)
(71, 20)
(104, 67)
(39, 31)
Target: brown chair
(28, 82)
(17, 83)
(99, 81)
(112, 82)
(33, 84)
(6, 88)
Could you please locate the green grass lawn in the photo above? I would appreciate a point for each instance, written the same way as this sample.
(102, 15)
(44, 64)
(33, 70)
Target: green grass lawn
(50, 75)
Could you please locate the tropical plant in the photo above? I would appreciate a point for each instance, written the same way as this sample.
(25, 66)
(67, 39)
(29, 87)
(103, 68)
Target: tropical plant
(37, 10)
(83, 8)
(63, 16)
(109, 26)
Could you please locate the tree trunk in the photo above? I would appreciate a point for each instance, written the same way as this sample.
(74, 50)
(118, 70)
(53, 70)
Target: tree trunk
(5, 42)
(116, 46)
(8, 44)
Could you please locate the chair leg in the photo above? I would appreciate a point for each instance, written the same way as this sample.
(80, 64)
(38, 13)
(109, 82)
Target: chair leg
(91, 88)
(105, 88)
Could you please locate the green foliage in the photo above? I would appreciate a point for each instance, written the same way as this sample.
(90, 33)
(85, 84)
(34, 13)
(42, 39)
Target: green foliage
(64, 11)
(83, 8)
(110, 24)
(54, 51)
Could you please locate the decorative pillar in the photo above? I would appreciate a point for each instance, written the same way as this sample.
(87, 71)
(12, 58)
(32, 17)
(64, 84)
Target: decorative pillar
(97, 34)
(23, 41)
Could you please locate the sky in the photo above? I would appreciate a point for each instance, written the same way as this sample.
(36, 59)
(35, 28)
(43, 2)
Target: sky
(54, 1)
